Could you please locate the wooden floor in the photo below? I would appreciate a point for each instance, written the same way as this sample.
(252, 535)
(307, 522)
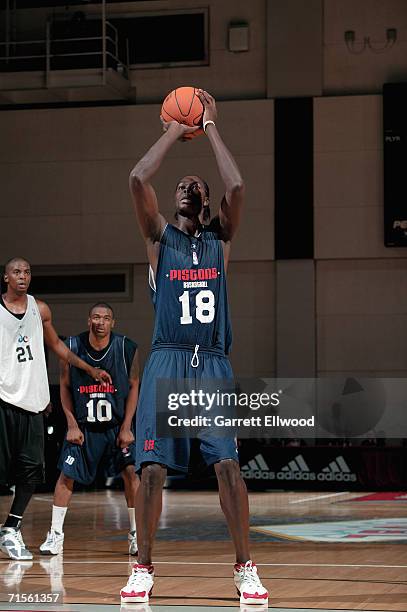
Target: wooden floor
(193, 555)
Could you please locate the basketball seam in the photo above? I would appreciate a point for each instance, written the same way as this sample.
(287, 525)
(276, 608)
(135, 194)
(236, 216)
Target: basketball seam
(201, 113)
(169, 114)
(190, 106)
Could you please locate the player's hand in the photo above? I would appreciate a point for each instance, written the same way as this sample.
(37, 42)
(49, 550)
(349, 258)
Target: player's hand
(209, 104)
(100, 375)
(125, 437)
(75, 436)
(182, 130)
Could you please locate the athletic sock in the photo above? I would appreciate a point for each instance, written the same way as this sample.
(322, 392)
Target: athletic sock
(132, 519)
(22, 496)
(58, 517)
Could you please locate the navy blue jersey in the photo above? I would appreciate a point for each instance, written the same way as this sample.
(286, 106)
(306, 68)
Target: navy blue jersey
(189, 292)
(99, 404)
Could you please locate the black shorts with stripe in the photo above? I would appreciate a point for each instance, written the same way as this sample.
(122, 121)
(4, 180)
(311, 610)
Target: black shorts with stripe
(21, 445)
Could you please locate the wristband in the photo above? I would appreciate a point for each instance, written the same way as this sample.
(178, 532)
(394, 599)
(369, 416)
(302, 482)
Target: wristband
(206, 123)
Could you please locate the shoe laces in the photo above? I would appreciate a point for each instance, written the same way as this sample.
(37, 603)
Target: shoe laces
(248, 573)
(19, 537)
(52, 537)
(140, 577)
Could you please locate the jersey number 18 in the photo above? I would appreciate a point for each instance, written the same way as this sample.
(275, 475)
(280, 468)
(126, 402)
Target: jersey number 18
(204, 307)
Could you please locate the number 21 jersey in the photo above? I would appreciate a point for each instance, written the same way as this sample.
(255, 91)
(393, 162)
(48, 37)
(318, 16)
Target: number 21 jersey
(23, 370)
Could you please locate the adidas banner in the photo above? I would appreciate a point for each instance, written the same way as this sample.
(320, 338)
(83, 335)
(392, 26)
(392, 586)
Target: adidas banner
(328, 468)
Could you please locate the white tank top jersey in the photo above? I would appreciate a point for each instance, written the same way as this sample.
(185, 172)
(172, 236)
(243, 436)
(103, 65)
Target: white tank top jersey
(23, 370)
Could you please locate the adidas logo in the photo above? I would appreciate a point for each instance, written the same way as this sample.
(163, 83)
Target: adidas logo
(337, 470)
(258, 469)
(297, 464)
(297, 469)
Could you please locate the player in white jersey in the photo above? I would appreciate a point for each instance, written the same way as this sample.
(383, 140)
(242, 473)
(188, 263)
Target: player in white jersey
(25, 323)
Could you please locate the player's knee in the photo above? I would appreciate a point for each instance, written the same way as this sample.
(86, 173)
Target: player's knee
(153, 476)
(228, 471)
(31, 475)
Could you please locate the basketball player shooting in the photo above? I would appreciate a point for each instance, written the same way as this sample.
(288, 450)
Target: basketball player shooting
(191, 340)
(25, 323)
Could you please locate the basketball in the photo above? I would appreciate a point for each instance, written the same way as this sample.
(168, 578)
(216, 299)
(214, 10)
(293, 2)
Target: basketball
(183, 105)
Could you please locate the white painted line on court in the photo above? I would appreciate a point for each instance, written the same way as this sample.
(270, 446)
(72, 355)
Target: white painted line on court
(97, 501)
(307, 499)
(230, 563)
(73, 501)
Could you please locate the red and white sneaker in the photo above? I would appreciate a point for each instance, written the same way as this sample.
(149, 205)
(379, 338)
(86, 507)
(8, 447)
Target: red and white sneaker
(248, 584)
(139, 585)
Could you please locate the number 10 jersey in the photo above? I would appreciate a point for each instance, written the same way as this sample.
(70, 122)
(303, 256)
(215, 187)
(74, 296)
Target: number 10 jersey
(100, 405)
(189, 292)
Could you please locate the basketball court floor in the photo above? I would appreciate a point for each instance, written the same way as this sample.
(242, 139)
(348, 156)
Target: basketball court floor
(315, 551)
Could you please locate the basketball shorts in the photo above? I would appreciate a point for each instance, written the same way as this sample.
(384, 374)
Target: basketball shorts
(81, 462)
(175, 363)
(21, 445)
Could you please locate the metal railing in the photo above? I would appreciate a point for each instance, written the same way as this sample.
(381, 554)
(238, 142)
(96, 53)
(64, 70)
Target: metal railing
(30, 55)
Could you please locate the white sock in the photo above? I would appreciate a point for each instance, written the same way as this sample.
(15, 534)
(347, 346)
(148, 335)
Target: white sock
(132, 518)
(58, 517)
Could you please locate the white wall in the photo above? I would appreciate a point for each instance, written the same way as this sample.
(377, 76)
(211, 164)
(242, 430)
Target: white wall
(361, 288)
(362, 317)
(66, 171)
(65, 200)
(348, 178)
(294, 48)
(64, 175)
(364, 72)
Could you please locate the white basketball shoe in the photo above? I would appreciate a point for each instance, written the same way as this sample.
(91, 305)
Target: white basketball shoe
(54, 543)
(139, 586)
(12, 544)
(248, 584)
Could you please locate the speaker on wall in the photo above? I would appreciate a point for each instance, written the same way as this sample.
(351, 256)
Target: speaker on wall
(395, 164)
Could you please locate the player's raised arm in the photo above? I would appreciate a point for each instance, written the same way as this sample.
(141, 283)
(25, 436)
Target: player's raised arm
(63, 352)
(150, 220)
(232, 202)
